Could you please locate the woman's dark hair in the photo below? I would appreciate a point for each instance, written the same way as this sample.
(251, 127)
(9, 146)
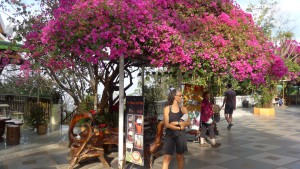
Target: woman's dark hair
(205, 93)
(212, 100)
(171, 95)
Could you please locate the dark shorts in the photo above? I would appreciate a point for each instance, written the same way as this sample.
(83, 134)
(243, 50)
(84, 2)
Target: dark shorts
(177, 141)
(228, 109)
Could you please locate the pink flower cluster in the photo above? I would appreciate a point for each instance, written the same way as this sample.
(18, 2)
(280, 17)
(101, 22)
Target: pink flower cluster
(216, 37)
(232, 44)
(128, 28)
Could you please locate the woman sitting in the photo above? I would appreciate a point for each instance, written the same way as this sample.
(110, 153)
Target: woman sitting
(207, 121)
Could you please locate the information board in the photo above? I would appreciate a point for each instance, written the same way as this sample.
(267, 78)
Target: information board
(192, 101)
(135, 129)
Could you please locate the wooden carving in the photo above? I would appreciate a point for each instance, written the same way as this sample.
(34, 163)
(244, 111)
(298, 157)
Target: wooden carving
(72, 135)
(83, 147)
(157, 143)
(158, 137)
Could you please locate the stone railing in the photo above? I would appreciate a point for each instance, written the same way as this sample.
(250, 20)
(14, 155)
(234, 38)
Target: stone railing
(239, 100)
(159, 105)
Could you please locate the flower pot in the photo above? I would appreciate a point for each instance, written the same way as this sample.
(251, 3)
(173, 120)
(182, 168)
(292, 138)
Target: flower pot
(256, 111)
(41, 129)
(264, 111)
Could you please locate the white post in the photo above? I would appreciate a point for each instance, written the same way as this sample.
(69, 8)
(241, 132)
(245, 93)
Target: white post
(143, 80)
(121, 114)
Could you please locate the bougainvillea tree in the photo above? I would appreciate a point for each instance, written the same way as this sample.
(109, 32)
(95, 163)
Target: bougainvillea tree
(289, 50)
(276, 25)
(225, 40)
(210, 38)
(78, 37)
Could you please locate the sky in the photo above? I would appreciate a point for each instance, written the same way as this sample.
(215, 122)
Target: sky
(290, 8)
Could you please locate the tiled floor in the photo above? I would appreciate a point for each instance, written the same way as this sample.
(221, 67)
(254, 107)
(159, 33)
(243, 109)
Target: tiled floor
(255, 142)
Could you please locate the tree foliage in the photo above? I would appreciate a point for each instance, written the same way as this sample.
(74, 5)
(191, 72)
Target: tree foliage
(276, 26)
(202, 38)
(35, 85)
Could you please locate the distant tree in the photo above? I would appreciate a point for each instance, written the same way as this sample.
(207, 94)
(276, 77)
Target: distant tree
(277, 26)
(35, 85)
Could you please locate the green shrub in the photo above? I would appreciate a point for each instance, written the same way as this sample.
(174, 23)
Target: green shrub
(36, 116)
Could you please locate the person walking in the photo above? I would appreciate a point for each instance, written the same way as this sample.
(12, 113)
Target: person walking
(176, 119)
(230, 105)
(207, 122)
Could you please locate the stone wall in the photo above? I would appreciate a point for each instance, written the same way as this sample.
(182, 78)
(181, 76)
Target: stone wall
(159, 105)
(239, 100)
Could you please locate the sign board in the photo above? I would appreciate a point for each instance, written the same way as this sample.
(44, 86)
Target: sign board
(192, 101)
(134, 129)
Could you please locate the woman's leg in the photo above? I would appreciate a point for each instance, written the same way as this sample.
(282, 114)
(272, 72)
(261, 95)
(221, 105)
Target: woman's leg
(213, 136)
(203, 143)
(180, 160)
(211, 131)
(166, 161)
(203, 130)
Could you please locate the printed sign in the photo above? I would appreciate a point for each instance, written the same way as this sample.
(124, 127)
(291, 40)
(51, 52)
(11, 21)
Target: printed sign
(192, 100)
(135, 129)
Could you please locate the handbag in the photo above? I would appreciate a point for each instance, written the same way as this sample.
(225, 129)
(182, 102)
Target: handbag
(216, 110)
(216, 117)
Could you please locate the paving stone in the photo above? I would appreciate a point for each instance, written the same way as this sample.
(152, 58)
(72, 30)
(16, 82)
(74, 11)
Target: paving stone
(255, 142)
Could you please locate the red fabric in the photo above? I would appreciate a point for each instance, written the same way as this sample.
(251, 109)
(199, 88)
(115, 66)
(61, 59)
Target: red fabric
(206, 110)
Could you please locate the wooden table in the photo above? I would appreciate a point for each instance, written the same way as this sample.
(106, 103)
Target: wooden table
(13, 131)
(13, 134)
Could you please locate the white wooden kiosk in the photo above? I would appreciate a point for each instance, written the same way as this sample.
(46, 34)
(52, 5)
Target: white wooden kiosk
(3, 110)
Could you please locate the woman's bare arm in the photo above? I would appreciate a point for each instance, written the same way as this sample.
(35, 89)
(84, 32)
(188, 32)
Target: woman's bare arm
(185, 123)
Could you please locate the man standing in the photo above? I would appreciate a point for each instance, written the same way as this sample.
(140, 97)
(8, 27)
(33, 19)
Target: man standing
(230, 105)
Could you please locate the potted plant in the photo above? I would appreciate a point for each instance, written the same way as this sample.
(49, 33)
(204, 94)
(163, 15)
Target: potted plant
(37, 118)
(263, 104)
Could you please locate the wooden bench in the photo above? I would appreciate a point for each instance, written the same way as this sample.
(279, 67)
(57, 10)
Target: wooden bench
(88, 143)
(157, 144)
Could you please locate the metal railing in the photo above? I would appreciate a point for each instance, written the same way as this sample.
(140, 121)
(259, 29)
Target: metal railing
(69, 117)
(24, 104)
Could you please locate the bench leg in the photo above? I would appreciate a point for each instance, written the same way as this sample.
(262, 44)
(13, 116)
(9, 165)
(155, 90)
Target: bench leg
(103, 160)
(73, 162)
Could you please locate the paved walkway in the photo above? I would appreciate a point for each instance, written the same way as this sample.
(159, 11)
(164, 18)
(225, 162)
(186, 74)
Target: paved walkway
(254, 142)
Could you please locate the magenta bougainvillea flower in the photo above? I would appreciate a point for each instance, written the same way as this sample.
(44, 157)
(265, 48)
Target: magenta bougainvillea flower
(214, 37)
